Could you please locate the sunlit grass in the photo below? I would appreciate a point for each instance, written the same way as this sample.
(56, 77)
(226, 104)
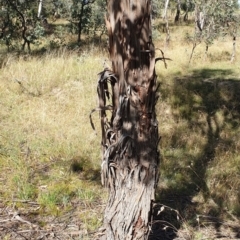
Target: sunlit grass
(44, 129)
(199, 114)
(50, 154)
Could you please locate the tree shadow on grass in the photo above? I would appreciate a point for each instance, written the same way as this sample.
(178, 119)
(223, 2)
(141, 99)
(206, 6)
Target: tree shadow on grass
(209, 104)
(78, 165)
(83, 167)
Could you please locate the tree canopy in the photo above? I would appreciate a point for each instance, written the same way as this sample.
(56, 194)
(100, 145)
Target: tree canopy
(20, 25)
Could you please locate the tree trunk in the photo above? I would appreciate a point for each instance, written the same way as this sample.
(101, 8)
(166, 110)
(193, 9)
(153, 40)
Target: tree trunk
(39, 8)
(165, 9)
(185, 18)
(177, 17)
(24, 27)
(206, 52)
(130, 138)
(233, 49)
(80, 23)
(165, 17)
(199, 24)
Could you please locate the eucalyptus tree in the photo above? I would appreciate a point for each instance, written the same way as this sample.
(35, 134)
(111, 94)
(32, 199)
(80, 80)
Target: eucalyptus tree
(40, 4)
(187, 6)
(157, 6)
(58, 9)
(97, 21)
(6, 28)
(178, 12)
(20, 22)
(80, 14)
(165, 18)
(127, 98)
(213, 18)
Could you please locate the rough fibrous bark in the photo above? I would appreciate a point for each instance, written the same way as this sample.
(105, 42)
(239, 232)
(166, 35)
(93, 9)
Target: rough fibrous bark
(129, 130)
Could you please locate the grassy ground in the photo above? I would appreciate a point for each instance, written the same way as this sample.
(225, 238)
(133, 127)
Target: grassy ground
(50, 156)
(48, 152)
(199, 112)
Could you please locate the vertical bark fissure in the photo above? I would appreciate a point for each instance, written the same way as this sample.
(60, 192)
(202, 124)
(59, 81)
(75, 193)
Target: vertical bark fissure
(130, 138)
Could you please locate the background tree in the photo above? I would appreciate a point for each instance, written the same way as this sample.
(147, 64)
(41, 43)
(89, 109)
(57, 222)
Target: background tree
(20, 23)
(6, 25)
(40, 8)
(187, 6)
(157, 6)
(177, 17)
(165, 18)
(212, 19)
(81, 13)
(97, 22)
(130, 132)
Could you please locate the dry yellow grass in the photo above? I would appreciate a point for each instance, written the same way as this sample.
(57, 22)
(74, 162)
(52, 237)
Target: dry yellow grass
(50, 154)
(199, 114)
(48, 150)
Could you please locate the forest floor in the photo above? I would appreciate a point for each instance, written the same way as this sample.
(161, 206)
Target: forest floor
(27, 223)
(43, 111)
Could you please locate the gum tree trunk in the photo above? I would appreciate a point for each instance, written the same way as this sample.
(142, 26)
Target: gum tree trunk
(177, 17)
(129, 129)
(39, 8)
(165, 18)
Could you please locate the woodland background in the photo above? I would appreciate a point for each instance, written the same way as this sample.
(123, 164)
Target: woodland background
(49, 154)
